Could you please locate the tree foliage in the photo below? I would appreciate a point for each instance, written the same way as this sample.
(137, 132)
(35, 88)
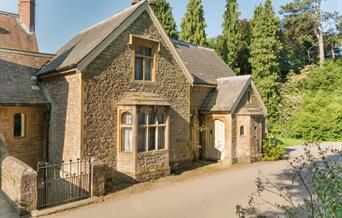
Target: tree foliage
(193, 24)
(264, 56)
(230, 34)
(164, 13)
(243, 54)
(320, 114)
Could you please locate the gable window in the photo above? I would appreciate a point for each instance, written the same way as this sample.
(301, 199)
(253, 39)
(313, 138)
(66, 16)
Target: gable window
(144, 61)
(151, 130)
(143, 64)
(242, 130)
(126, 132)
(249, 96)
(19, 125)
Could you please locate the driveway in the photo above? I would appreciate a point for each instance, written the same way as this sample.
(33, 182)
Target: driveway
(214, 195)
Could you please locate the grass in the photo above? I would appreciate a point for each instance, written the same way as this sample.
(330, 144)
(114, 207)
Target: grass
(290, 141)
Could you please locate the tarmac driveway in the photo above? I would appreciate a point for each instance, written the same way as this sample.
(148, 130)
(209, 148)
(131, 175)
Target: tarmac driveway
(214, 195)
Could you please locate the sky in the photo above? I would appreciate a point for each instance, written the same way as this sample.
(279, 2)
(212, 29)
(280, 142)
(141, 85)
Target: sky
(57, 21)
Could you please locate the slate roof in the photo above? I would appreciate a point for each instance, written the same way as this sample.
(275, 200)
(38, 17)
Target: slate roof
(16, 69)
(226, 94)
(203, 63)
(13, 34)
(87, 40)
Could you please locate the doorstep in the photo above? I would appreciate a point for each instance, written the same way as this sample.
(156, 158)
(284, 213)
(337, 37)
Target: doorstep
(64, 207)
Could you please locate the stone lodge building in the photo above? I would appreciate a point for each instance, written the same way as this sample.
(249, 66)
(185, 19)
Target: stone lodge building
(124, 92)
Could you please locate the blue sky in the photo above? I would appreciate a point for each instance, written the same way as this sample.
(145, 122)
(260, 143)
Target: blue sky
(59, 20)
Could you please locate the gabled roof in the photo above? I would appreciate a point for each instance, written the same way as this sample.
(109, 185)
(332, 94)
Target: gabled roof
(17, 68)
(228, 94)
(86, 41)
(13, 34)
(203, 63)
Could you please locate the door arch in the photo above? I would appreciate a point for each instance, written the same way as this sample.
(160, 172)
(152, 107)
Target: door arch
(217, 140)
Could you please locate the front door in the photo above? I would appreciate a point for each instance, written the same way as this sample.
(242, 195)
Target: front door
(217, 140)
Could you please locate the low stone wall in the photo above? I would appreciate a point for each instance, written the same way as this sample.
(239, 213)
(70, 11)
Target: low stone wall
(19, 182)
(98, 178)
(152, 165)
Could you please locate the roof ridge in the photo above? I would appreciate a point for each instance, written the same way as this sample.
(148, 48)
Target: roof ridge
(9, 13)
(26, 52)
(190, 44)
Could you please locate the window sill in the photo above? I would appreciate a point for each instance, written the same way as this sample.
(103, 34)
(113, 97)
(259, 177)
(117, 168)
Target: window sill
(144, 82)
(153, 151)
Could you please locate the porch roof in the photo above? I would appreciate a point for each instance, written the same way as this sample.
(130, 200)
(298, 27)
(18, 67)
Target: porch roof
(227, 94)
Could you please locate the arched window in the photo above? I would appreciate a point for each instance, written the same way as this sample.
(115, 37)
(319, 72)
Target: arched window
(19, 125)
(126, 132)
(242, 130)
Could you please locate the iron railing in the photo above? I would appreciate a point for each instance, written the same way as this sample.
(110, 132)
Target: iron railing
(64, 182)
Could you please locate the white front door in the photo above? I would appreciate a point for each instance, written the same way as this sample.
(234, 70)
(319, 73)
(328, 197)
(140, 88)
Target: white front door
(217, 146)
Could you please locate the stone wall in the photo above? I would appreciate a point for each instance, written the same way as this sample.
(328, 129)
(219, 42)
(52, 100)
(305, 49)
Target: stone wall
(109, 77)
(64, 93)
(18, 181)
(152, 165)
(244, 148)
(29, 148)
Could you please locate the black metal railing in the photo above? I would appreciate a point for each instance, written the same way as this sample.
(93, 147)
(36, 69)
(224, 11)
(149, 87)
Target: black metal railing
(64, 182)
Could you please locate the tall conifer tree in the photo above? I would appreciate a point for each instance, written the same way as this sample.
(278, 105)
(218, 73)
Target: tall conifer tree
(193, 24)
(265, 51)
(231, 34)
(164, 13)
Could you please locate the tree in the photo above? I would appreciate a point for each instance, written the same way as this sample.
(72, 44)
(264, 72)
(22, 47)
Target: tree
(264, 56)
(243, 55)
(164, 13)
(303, 24)
(230, 34)
(193, 24)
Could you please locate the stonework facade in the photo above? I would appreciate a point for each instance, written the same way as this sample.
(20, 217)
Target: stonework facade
(109, 77)
(187, 105)
(64, 93)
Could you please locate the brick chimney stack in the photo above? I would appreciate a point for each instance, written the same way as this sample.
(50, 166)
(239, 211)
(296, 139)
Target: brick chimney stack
(27, 13)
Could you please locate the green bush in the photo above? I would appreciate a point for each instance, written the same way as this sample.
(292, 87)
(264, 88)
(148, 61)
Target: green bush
(311, 107)
(272, 148)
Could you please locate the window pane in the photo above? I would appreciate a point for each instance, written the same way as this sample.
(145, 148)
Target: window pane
(138, 74)
(152, 139)
(148, 52)
(148, 69)
(141, 119)
(18, 129)
(138, 50)
(150, 118)
(126, 139)
(161, 118)
(127, 118)
(161, 138)
(141, 139)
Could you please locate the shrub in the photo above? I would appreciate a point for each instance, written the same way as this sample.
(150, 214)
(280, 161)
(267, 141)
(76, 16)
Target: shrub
(272, 148)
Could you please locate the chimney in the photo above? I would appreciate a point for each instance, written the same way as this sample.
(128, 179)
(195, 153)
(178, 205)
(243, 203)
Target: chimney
(27, 13)
(152, 3)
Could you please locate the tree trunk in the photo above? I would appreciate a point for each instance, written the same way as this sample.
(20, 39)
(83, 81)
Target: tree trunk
(321, 45)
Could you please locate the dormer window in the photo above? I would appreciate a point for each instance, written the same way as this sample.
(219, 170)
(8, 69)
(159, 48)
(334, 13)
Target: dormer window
(143, 66)
(144, 63)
